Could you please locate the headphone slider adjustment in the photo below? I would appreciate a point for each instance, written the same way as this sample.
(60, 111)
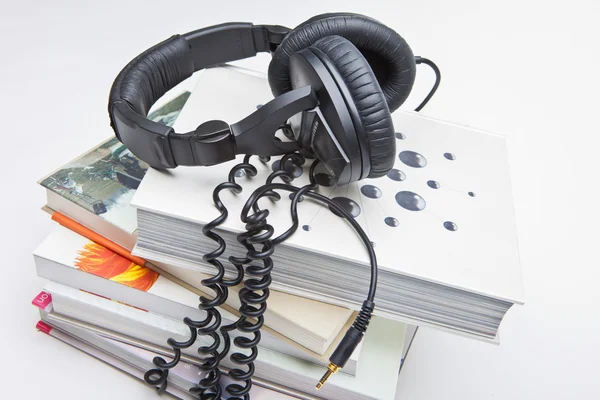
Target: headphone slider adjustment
(270, 36)
(212, 143)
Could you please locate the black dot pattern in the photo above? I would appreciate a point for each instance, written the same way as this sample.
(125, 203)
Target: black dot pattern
(396, 175)
(449, 156)
(410, 201)
(433, 184)
(391, 221)
(412, 159)
(451, 226)
(371, 191)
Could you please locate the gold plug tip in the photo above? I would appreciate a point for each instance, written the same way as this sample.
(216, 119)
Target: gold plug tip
(331, 369)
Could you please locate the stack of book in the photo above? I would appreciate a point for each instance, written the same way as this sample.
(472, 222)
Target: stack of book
(125, 265)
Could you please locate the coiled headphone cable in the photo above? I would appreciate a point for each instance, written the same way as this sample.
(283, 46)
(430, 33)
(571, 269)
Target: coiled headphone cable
(257, 266)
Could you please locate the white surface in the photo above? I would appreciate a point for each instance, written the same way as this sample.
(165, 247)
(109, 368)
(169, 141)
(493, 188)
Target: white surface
(528, 69)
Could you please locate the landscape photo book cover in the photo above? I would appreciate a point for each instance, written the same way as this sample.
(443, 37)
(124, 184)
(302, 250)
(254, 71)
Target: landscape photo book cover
(104, 179)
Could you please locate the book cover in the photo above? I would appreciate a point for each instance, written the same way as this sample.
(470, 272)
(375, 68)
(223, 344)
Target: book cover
(76, 261)
(103, 180)
(441, 221)
(443, 214)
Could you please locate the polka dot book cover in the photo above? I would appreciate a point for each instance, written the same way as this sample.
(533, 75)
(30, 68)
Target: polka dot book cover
(441, 221)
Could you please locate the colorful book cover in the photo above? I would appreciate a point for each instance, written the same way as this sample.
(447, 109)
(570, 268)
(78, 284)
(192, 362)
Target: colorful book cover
(104, 180)
(64, 248)
(100, 261)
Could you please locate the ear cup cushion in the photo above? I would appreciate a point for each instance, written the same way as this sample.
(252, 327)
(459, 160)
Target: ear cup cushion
(389, 55)
(369, 100)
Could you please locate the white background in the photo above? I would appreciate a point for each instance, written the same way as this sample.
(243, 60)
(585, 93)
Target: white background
(527, 69)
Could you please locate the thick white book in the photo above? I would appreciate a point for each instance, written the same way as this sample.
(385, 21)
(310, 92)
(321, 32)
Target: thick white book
(72, 260)
(442, 221)
(149, 327)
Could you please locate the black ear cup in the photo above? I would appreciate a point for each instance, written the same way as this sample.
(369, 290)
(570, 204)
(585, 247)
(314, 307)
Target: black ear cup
(389, 56)
(365, 92)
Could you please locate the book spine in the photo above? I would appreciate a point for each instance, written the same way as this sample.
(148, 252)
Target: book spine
(43, 300)
(43, 327)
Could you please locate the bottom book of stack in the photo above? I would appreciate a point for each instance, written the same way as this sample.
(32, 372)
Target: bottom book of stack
(189, 372)
(385, 347)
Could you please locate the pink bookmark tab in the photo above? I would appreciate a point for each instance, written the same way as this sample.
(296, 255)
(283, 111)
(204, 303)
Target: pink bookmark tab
(43, 327)
(43, 301)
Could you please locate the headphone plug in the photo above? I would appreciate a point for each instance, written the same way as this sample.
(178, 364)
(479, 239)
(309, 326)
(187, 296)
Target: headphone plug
(349, 342)
(331, 369)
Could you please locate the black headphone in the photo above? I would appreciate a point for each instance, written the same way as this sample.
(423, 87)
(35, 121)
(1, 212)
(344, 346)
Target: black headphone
(335, 78)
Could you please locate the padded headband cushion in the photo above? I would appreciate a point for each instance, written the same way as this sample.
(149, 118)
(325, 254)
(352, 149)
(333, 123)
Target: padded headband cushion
(370, 103)
(151, 74)
(388, 54)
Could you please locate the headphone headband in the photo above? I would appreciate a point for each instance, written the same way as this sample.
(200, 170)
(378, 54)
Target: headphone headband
(151, 74)
(329, 102)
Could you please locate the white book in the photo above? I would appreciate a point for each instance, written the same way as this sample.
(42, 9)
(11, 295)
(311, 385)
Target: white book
(106, 357)
(442, 221)
(376, 377)
(134, 361)
(156, 329)
(72, 260)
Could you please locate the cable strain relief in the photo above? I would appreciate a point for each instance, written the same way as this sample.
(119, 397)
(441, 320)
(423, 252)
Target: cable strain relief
(417, 59)
(364, 316)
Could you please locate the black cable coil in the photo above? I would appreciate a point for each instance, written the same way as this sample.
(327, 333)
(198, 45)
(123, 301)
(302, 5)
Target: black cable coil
(254, 295)
(258, 265)
(208, 388)
(157, 377)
